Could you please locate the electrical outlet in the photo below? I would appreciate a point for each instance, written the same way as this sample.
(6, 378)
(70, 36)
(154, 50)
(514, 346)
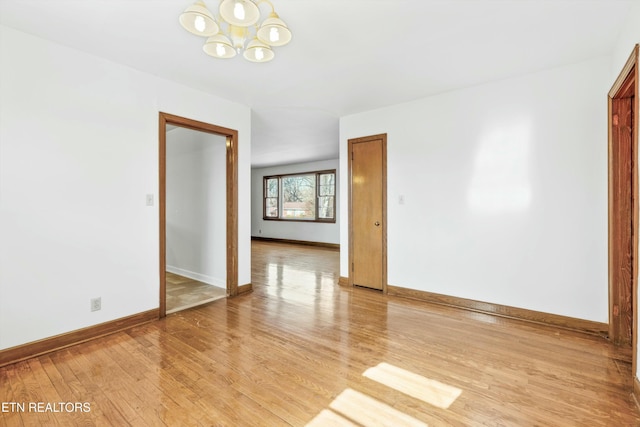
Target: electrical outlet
(96, 304)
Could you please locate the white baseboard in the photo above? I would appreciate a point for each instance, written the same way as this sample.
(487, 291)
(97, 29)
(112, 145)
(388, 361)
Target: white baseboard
(209, 280)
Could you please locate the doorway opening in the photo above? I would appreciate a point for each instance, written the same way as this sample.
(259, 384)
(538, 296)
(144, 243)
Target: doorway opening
(195, 218)
(226, 202)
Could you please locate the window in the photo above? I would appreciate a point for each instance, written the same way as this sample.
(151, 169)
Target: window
(271, 186)
(308, 196)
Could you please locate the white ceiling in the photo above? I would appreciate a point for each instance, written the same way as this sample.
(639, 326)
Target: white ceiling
(346, 56)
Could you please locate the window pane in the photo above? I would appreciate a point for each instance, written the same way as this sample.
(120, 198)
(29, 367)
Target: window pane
(328, 179)
(271, 207)
(299, 196)
(327, 184)
(272, 187)
(325, 210)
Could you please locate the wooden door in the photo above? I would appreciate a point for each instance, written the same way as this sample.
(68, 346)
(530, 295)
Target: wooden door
(622, 219)
(367, 212)
(623, 205)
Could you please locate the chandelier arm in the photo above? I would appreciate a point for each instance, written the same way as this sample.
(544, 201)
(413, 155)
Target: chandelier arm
(258, 2)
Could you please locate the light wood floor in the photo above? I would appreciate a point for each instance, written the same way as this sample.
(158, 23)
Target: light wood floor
(301, 350)
(183, 292)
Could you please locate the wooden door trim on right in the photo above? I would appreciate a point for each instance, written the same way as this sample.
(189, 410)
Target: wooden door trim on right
(383, 138)
(626, 86)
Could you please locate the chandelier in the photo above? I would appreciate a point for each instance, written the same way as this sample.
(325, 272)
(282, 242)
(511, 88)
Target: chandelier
(236, 30)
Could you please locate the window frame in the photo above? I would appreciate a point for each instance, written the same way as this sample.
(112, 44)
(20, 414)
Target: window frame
(266, 196)
(280, 209)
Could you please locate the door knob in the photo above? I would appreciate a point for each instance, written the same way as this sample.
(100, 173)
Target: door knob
(377, 223)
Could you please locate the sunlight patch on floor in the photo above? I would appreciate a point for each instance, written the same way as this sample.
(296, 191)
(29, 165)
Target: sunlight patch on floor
(430, 391)
(353, 408)
(367, 411)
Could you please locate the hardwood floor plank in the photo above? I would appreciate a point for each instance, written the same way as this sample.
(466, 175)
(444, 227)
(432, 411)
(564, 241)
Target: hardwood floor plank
(81, 373)
(183, 292)
(65, 393)
(12, 395)
(42, 390)
(295, 350)
(205, 379)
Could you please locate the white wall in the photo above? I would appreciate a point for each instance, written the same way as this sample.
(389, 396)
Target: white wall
(629, 36)
(294, 230)
(196, 206)
(78, 154)
(505, 189)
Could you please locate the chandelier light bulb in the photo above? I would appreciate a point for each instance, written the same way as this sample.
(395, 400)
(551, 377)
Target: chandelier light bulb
(198, 20)
(274, 35)
(219, 46)
(242, 13)
(238, 11)
(199, 23)
(273, 31)
(257, 51)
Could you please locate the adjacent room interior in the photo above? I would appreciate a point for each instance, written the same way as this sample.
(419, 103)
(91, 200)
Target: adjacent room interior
(195, 218)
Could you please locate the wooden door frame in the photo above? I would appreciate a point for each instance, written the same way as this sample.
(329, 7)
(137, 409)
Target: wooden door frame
(353, 141)
(621, 89)
(231, 136)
